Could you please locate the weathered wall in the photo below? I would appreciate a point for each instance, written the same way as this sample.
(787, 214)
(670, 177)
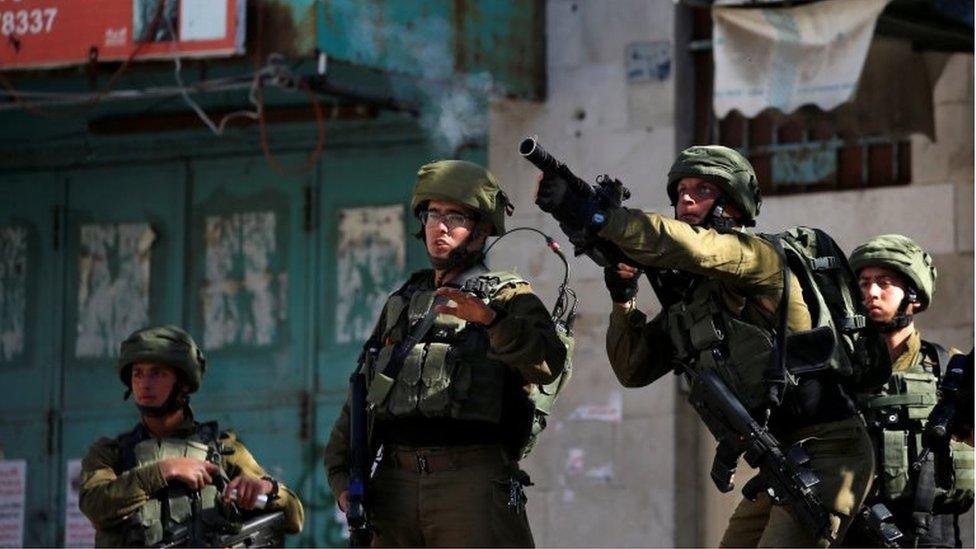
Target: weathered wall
(604, 469)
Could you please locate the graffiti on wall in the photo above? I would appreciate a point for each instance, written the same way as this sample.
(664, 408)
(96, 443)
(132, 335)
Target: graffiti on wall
(371, 257)
(244, 291)
(13, 290)
(113, 285)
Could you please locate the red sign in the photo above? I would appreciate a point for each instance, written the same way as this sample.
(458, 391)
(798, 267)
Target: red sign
(50, 33)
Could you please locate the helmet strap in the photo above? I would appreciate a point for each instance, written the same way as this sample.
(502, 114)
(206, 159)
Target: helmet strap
(460, 257)
(715, 218)
(902, 319)
(176, 400)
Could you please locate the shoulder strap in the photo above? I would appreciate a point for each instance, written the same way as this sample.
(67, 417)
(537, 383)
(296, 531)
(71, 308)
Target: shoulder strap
(937, 354)
(776, 374)
(412, 284)
(128, 442)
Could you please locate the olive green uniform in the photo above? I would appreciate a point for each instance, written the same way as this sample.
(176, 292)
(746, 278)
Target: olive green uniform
(913, 385)
(744, 273)
(110, 494)
(449, 473)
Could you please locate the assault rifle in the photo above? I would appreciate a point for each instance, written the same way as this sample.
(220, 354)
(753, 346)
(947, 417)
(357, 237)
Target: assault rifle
(608, 193)
(786, 477)
(951, 415)
(262, 531)
(360, 453)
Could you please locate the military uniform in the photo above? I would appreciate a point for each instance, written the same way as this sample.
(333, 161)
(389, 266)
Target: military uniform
(896, 414)
(452, 423)
(122, 500)
(123, 491)
(723, 289)
(744, 272)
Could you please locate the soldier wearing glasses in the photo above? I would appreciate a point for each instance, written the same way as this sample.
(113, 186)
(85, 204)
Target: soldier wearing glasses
(453, 422)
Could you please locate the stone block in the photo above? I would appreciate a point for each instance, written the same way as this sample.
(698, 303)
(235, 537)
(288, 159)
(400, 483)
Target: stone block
(964, 216)
(606, 516)
(923, 212)
(952, 306)
(950, 157)
(954, 84)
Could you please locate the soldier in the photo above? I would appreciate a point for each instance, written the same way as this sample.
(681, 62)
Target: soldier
(140, 486)
(897, 281)
(452, 425)
(709, 269)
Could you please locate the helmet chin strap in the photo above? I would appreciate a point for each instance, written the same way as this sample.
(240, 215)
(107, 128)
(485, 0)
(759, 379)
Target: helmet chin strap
(460, 257)
(176, 400)
(901, 320)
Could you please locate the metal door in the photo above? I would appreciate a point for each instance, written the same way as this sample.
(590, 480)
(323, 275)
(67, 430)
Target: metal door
(30, 284)
(123, 255)
(247, 301)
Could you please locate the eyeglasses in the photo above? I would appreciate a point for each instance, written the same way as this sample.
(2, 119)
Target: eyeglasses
(451, 220)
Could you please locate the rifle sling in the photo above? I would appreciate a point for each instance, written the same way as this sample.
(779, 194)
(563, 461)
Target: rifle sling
(420, 328)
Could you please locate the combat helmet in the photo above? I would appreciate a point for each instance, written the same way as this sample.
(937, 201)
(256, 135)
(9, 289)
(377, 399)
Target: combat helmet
(902, 255)
(724, 167)
(167, 345)
(465, 183)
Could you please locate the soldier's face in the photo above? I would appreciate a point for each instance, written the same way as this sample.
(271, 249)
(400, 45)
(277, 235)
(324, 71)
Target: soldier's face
(882, 291)
(152, 383)
(695, 199)
(448, 226)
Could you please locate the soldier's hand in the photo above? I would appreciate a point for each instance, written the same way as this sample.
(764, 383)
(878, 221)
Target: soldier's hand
(248, 490)
(195, 473)
(554, 196)
(621, 281)
(343, 501)
(466, 306)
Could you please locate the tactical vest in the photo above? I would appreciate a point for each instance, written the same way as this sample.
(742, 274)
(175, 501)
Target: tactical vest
(896, 420)
(172, 506)
(448, 373)
(704, 334)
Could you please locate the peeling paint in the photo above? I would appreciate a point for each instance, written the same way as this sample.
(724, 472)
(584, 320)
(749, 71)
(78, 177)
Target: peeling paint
(244, 293)
(371, 259)
(575, 462)
(113, 285)
(13, 290)
(603, 472)
(611, 412)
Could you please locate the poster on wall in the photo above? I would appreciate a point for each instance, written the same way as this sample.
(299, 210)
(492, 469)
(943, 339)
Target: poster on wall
(57, 33)
(78, 531)
(372, 253)
(13, 487)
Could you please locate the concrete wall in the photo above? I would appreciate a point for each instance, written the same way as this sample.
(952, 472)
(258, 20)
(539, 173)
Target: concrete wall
(606, 471)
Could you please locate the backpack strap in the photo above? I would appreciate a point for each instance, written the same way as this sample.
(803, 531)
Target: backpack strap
(776, 375)
(937, 354)
(128, 442)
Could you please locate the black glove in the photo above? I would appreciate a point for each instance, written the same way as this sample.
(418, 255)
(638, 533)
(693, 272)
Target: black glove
(621, 289)
(556, 197)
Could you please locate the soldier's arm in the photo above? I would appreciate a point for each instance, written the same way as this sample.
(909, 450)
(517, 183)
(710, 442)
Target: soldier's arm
(744, 263)
(241, 462)
(639, 351)
(741, 260)
(525, 338)
(337, 453)
(106, 498)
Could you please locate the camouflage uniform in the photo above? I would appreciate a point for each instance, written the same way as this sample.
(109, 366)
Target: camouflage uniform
(454, 421)
(729, 272)
(123, 492)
